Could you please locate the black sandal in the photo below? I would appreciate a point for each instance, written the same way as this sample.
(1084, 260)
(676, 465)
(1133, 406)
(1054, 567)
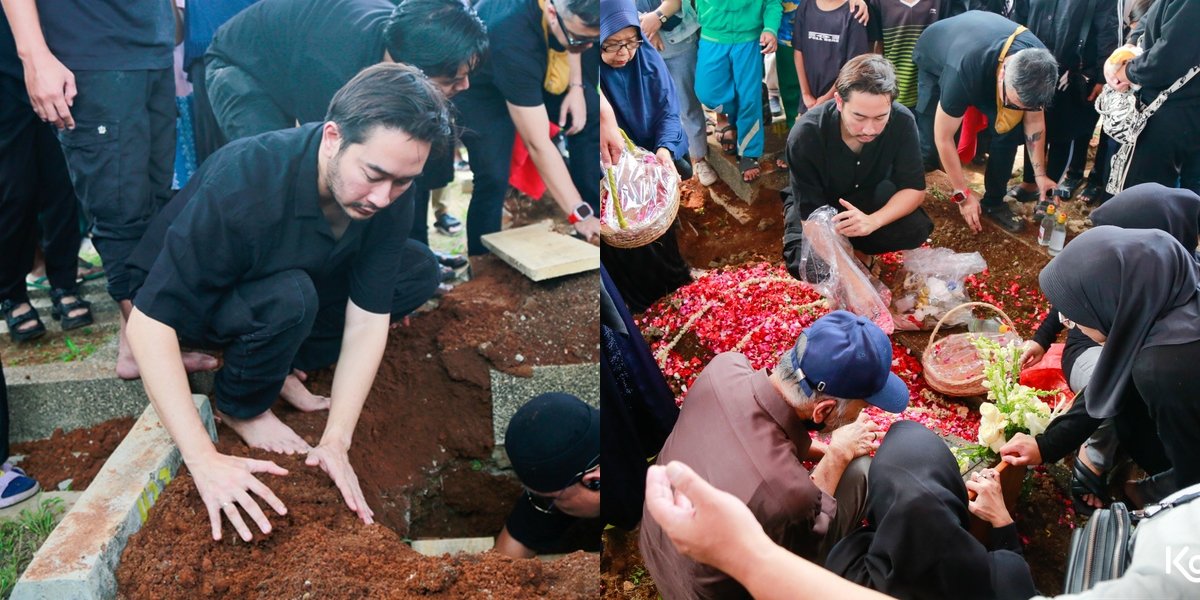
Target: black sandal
(1083, 482)
(61, 311)
(14, 322)
(728, 144)
(746, 163)
(1090, 195)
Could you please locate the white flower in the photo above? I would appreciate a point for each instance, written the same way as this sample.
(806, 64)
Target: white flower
(991, 426)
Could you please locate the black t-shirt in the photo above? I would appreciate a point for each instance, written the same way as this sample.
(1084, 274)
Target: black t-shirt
(554, 532)
(962, 54)
(516, 63)
(303, 51)
(99, 35)
(823, 169)
(251, 211)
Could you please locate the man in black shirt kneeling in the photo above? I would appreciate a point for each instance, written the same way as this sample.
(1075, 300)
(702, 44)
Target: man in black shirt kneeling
(859, 154)
(288, 250)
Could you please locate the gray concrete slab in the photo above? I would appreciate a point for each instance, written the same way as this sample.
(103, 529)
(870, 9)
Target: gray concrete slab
(71, 395)
(509, 393)
(80, 558)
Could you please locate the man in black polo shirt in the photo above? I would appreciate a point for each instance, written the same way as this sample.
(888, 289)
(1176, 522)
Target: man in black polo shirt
(553, 442)
(860, 155)
(520, 90)
(280, 61)
(286, 251)
(981, 59)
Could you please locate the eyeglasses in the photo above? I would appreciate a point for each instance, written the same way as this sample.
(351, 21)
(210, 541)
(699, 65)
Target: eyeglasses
(1011, 106)
(572, 40)
(545, 504)
(1069, 324)
(630, 47)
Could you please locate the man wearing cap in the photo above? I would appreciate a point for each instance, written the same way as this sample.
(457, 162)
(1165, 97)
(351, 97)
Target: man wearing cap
(553, 442)
(746, 431)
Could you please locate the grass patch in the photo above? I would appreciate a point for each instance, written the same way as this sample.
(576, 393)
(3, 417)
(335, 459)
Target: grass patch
(21, 537)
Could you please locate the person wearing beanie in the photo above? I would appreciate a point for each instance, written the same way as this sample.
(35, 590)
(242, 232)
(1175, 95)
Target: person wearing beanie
(553, 442)
(747, 432)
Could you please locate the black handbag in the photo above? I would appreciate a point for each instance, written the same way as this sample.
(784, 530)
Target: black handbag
(1100, 549)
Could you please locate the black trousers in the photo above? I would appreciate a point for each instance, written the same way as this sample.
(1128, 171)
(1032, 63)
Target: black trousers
(488, 135)
(3, 416)
(1168, 150)
(34, 186)
(904, 233)
(239, 105)
(269, 326)
(1165, 378)
(121, 156)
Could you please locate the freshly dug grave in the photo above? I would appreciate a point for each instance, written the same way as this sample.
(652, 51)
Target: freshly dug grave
(74, 455)
(1044, 515)
(423, 453)
(320, 550)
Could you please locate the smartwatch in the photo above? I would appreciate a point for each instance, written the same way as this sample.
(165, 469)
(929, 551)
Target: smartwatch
(958, 197)
(581, 212)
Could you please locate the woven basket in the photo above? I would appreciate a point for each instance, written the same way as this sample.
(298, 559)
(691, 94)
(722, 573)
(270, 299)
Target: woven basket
(952, 365)
(640, 235)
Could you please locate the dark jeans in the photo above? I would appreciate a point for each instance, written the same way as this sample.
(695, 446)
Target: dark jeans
(1168, 150)
(204, 123)
(268, 326)
(121, 156)
(34, 186)
(239, 104)
(488, 135)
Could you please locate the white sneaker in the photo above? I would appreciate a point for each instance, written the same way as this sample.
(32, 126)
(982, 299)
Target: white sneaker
(704, 172)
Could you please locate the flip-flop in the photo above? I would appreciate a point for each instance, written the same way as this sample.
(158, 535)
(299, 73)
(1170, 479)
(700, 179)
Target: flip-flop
(91, 271)
(1084, 481)
(38, 283)
(745, 163)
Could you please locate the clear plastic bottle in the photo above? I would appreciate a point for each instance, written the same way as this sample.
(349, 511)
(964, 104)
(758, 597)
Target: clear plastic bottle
(1058, 238)
(1047, 227)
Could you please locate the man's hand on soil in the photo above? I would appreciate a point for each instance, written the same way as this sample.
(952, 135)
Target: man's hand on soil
(224, 483)
(853, 222)
(335, 461)
(970, 211)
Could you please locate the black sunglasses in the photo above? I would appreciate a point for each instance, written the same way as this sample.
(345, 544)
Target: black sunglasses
(572, 41)
(545, 504)
(1011, 106)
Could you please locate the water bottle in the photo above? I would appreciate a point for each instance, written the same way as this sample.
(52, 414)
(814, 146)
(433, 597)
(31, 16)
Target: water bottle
(1059, 236)
(1047, 227)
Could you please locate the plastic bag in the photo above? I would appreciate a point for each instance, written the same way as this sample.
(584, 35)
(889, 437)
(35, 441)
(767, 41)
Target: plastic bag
(644, 190)
(932, 285)
(827, 263)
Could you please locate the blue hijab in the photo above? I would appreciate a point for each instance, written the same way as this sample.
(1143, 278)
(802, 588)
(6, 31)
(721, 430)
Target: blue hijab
(641, 92)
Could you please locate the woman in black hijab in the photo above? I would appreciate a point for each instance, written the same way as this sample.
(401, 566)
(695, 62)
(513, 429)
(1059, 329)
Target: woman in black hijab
(1145, 206)
(1135, 292)
(916, 543)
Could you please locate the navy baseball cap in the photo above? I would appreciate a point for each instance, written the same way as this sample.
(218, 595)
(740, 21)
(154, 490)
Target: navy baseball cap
(847, 356)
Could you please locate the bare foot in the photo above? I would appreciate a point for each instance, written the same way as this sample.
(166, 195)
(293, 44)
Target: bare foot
(266, 431)
(298, 396)
(751, 174)
(127, 368)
